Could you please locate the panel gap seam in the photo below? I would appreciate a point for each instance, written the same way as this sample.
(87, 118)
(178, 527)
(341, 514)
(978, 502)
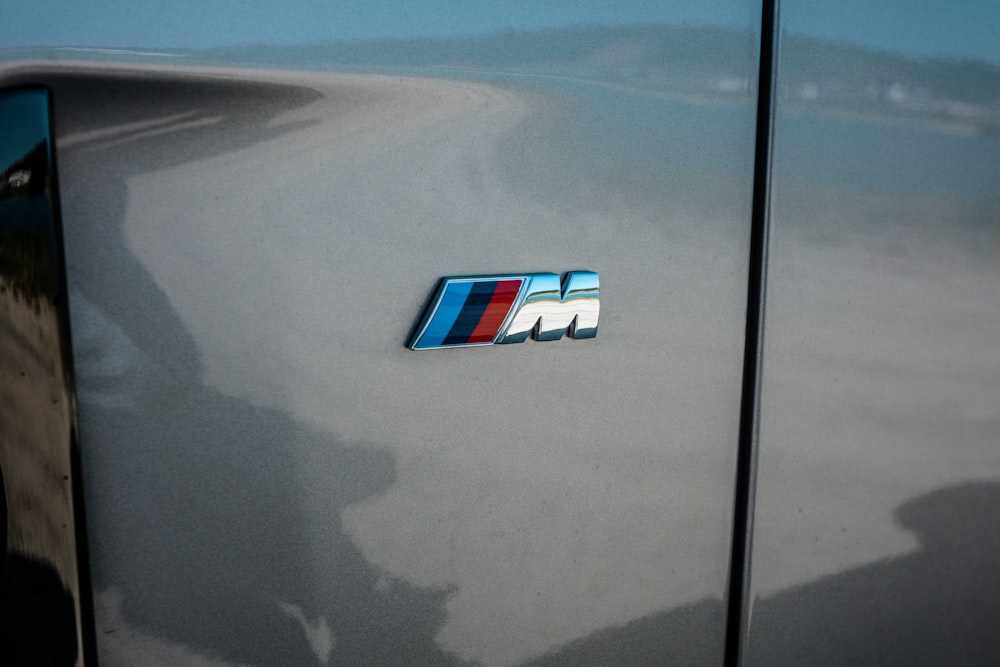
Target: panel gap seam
(737, 611)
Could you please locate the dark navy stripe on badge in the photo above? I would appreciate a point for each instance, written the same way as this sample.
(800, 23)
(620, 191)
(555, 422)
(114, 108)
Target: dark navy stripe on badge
(472, 311)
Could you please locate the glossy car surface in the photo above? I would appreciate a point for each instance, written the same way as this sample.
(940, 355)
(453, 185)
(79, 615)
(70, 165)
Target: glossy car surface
(781, 447)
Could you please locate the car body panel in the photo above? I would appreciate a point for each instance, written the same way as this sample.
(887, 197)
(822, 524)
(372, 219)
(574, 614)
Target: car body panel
(878, 466)
(258, 210)
(274, 478)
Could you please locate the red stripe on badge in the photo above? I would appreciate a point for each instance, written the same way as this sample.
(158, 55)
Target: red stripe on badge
(496, 312)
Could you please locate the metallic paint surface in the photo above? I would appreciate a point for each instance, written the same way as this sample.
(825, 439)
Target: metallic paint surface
(269, 487)
(878, 488)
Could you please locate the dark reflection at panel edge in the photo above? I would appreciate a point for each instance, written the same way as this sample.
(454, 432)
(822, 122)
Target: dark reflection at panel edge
(39, 613)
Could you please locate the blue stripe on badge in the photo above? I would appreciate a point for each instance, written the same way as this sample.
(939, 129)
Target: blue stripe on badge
(448, 309)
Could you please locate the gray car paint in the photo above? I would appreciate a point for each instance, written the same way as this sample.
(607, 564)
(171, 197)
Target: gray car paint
(876, 531)
(273, 478)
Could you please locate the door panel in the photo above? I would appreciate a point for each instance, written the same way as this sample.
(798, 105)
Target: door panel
(877, 489)
(274, 478)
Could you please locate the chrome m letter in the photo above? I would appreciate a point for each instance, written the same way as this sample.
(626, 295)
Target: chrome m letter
(549, 310)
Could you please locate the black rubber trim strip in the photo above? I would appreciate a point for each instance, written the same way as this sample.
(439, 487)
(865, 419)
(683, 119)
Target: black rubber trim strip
(88, 626)
(737, 613)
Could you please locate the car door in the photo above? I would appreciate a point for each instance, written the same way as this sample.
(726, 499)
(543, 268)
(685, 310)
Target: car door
(874, 530)
(253, 234)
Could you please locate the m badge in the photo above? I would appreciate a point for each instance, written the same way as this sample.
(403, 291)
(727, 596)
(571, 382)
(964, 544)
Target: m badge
(482, 310)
